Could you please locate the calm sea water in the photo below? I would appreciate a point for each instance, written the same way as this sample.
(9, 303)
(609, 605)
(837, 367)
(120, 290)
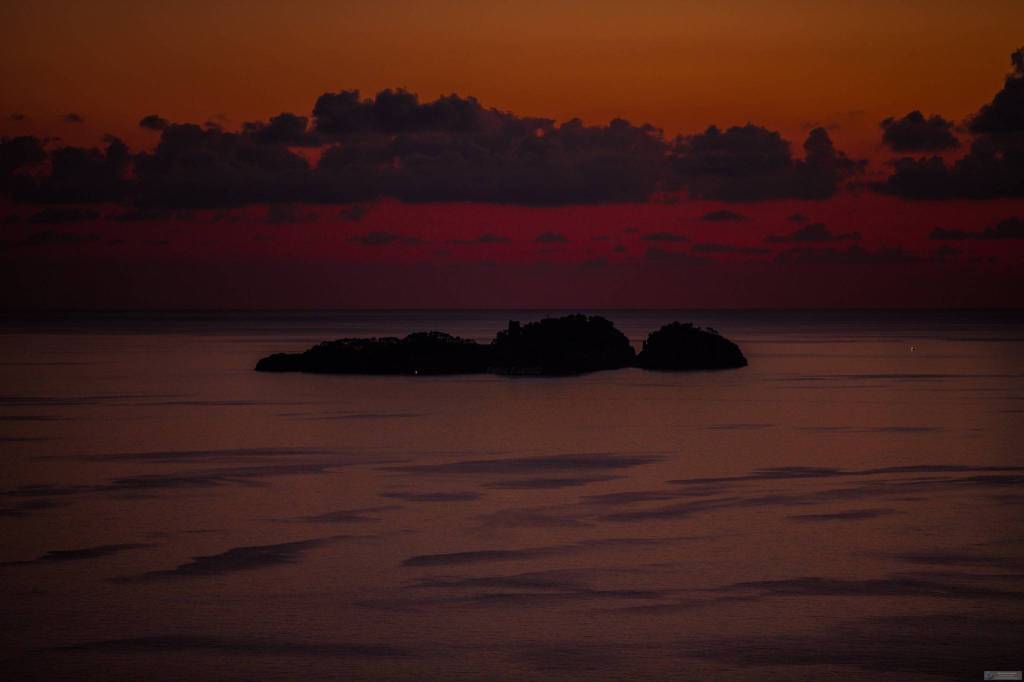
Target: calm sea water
(846, 508)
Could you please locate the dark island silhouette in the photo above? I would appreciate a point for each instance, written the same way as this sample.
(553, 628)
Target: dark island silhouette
(554, 346)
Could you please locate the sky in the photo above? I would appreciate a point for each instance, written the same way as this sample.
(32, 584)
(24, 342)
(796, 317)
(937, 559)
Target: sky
(555, 154)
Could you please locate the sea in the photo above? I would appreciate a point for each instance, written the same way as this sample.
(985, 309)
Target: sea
(847, 507)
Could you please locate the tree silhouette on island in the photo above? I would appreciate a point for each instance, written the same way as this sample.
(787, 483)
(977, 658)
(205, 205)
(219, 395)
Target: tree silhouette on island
(554, 346)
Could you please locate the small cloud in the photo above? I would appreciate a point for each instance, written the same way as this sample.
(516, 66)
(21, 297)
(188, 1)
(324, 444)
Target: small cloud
(945, 252)
(225, 217)
(286, 213)
(379, 238)
(153, 122)
(50, 238)
(63, 215)
(139, 215)
(1011, 228)
(797, 217)
(19, 118)
(353, 213)
(664, 237)
(815, 232)
(722, 216)
(662, 257)
(727, 248)
(485, 238)
(853, 255)
(620, 249)
(551, 238)
(915, 133)
(72, 117)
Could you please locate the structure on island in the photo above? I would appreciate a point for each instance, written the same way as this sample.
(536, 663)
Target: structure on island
(554, 346)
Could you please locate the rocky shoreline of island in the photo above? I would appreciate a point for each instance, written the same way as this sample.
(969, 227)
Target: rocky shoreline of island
(554, 346)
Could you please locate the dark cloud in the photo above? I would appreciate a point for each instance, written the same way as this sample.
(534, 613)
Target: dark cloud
(56, 215)
(379, 238)
(49, 238)
(455, 149)
(1010, 228)
(994, 166)
(797, 217)
(752, 163)
(399, 111)
(353, 213)
(551, 238)
(72, 117)
(571, 163)
(1005, 113)
(290, 130)
(722, 216)
(18, 118)
(852, 255)
(815, 232)
(153, 122)
(82, 175)
(16, 154)
(195, 167)
(946, 251)
(451, 149)
(664, 237)
(225, 217)
(287, 213)
(915, 133)
(659, 256)
(726, 248)
(145, 214)
(485, 238)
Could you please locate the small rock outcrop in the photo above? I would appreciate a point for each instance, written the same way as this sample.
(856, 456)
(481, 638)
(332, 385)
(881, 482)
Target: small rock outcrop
(678, 346)
(573, 344)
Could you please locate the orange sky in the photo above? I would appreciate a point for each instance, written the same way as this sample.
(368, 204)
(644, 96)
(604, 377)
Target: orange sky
(679, 65)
